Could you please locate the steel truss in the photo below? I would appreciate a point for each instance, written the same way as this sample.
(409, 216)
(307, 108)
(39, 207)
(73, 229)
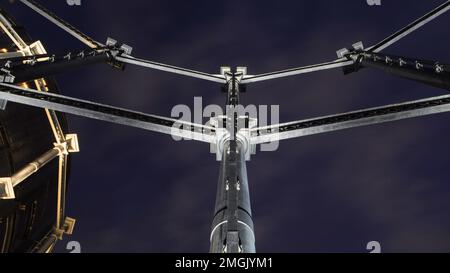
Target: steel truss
(232, 229)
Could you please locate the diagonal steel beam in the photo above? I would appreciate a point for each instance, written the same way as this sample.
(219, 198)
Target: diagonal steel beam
(27, 68)
(62, 24)
(353, 119)
(397, 36)
(108, 113)
(299, 70)
(8, 28)
(170, 68)
(432, 73)
(123, 57)
(344, 61)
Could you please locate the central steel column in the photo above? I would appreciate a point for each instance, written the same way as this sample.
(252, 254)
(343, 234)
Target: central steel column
(232, 228)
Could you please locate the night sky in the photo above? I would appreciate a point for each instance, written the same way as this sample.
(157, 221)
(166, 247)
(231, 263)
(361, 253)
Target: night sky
(137, 191)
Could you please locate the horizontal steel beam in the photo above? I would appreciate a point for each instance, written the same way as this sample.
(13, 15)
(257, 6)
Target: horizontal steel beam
(353, 119)
(108, 113)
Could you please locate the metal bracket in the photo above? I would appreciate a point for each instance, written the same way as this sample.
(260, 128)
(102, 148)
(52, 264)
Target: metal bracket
(67, 228)
(241, 71)
(72, 143)
(345, 52)
(6, 188)
(37, 48)
(225, 71)
(69, 225)
(353, 54)
(110, 42)
(341, 53)
(126, 49)
(358, 46)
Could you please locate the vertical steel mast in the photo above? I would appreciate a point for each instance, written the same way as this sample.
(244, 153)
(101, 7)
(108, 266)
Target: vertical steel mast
(232, 228)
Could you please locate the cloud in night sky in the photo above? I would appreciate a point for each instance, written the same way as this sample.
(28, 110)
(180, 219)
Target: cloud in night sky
(134, 191)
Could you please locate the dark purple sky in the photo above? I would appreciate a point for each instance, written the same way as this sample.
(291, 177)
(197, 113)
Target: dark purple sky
(135, 191)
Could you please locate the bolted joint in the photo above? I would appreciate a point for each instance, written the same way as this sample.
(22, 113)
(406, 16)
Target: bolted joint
(69, 146)
(351, 53)
(61, 148)
(117, 49)
(438, 68)
(245, 124)
(110, 42)
(356, 53)
(229, 76)
(72, 143)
